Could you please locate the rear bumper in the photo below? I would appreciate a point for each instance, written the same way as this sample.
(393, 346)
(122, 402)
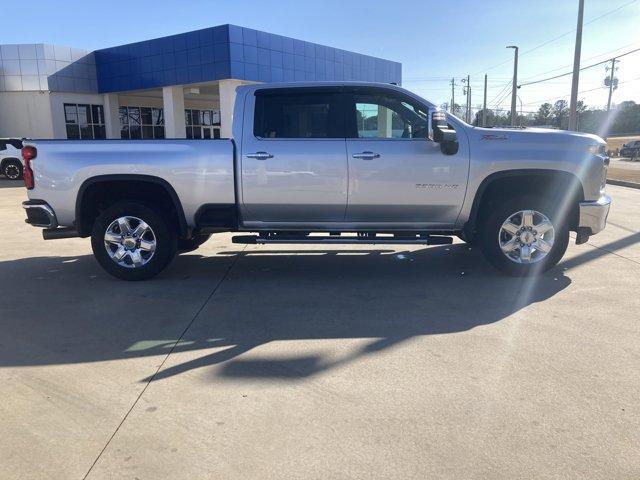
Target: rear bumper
(40, 214)
(593, 215)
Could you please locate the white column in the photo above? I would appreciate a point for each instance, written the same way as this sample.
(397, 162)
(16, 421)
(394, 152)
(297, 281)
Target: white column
(384, 122)
(174, 120)
(227, 90)
(112, 115)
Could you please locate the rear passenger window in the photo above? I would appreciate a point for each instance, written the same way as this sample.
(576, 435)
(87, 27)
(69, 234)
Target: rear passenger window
(302, 114)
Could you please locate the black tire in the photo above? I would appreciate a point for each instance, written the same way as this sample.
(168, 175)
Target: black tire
(165, 238)
(503, 209)
(190, 244)
(12, 169)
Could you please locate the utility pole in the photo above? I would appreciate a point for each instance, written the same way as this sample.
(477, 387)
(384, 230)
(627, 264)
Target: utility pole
(514, 87)
(484, 106)
(573, 105)
(453, 96)
(468, 99)
(466, 90)
(611, 82)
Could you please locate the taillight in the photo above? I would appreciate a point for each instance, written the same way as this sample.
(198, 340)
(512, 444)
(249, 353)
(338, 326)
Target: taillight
(28, 154)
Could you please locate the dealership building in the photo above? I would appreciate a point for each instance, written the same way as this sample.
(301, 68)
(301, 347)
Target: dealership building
(180, 86)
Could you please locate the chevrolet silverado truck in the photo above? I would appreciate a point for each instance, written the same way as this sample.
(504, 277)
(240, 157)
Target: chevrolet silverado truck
(326, 163)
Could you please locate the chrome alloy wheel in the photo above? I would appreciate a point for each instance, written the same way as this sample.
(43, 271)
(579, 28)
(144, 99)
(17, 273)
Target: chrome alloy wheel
(12, 171)
(130, 242)
(526, 236)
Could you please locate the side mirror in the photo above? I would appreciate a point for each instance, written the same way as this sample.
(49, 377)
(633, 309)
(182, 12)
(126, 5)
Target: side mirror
(443, 134)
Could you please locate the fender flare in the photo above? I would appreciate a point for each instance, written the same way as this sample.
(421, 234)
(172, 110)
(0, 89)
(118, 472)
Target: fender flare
(470, 224)
(182, 221)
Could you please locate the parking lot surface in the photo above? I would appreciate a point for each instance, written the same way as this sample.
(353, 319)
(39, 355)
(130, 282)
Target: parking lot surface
(624, 169)
(316, 362)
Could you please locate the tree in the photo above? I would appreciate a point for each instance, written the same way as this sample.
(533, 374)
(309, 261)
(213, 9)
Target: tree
(493, 118)
(457, 109)
(581, 107)
(544, 115)
(627, 118)
(561, 114)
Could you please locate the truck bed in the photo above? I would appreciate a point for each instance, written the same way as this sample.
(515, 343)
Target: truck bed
(200, 172)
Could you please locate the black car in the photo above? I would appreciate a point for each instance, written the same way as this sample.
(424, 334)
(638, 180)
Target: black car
(631, 149)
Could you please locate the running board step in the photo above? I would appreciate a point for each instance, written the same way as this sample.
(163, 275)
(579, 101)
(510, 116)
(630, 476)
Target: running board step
(426, 240)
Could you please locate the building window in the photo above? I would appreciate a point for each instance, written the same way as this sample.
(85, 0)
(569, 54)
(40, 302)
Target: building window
(141, 122)
(202, 123)
(84, 121)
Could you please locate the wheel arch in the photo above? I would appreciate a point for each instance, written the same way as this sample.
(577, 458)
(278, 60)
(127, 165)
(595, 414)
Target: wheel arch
(160, 184)
(534, 180)
(8, 159)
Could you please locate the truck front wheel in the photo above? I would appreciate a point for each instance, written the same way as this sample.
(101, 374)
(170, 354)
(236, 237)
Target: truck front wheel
(524, 235)
(132, 241)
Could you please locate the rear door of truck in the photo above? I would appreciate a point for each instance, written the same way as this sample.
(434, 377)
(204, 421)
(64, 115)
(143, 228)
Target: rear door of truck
(293, 156)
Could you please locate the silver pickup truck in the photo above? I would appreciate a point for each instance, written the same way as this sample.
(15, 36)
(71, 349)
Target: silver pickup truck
(324, 163)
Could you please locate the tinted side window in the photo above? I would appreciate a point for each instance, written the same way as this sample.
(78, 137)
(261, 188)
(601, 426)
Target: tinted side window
(3, 146)
(380, 114)
(298, 114)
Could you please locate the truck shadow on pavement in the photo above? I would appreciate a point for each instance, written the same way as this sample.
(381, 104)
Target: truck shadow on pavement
(63, 310)
(6, 183)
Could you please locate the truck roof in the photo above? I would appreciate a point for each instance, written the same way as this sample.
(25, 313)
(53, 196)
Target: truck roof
(389, 86)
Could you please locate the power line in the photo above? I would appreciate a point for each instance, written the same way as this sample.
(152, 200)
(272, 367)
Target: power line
(503, 98)
(582, 91)
(559, 36)
(532, 77)
(583, 68)
(506, 87)
(587, 23)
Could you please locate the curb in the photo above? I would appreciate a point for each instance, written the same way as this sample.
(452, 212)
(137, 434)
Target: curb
(623, 183)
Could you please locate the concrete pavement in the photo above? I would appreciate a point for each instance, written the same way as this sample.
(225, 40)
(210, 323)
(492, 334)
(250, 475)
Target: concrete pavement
(316, 362)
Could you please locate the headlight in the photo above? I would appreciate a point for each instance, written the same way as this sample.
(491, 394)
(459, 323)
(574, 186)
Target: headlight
(596, 149)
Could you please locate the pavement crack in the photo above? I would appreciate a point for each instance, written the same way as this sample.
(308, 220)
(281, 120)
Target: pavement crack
(164, 360)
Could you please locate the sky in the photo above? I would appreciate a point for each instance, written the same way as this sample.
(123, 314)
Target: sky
(434, 40)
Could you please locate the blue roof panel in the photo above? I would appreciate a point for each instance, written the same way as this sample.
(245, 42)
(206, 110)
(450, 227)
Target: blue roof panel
(230, 51)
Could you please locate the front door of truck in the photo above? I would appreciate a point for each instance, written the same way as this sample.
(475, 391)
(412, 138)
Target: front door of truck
(397, 176)
(293, 158)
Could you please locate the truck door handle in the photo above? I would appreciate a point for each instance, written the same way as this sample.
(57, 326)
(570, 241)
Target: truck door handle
(366, 155)
(259, 155)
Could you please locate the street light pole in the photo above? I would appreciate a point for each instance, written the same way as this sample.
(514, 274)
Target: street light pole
(514, 87)
(520, 100)
(573, 105)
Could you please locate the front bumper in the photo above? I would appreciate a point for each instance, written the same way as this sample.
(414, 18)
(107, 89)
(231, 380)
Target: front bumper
(40, 214)
(593, 215)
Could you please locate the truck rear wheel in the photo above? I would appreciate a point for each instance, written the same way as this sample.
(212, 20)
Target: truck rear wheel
(524, 236)
(132, 241)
